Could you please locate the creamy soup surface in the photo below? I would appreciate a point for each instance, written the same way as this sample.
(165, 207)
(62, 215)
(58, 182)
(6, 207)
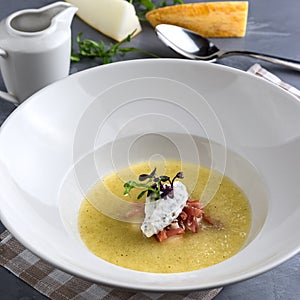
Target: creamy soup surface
(123, 244)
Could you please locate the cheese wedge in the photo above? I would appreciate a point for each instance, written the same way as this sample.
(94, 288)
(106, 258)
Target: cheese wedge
(114, 18)
(210, 19)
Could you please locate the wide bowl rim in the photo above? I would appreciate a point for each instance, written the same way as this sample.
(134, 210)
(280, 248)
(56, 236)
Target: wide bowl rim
(142, 287)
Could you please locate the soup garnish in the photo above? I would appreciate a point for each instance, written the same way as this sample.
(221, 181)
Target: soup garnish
(168, 209)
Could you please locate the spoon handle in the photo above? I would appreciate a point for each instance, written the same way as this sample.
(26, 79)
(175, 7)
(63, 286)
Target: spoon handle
(293, 64)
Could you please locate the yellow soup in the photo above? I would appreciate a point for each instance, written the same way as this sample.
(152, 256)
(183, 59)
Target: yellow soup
(123, 244)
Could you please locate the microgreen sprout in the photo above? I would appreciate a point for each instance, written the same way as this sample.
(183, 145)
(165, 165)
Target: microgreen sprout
(155, 186)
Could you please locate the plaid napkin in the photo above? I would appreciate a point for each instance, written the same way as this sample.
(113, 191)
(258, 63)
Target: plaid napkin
(58, 285)
(261, 72)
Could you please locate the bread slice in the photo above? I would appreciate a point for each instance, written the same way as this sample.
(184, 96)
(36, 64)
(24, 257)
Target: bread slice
(210, 19)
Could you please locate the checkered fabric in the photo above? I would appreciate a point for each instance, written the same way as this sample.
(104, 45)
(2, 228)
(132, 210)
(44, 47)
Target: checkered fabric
(59, 285)
(261, 72)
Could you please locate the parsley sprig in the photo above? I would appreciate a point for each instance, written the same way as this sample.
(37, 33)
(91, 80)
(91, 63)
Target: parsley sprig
(155, 187)
(91, 48)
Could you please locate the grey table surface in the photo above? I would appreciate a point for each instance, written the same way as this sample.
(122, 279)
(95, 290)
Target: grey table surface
(274, 28)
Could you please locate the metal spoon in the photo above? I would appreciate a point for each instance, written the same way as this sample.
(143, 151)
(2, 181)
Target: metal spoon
(192, 45)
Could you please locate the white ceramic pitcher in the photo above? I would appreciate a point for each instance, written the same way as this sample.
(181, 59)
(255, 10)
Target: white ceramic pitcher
(35, 49)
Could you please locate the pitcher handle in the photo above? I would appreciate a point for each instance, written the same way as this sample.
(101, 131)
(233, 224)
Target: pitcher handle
(8, 97)
(4, 95)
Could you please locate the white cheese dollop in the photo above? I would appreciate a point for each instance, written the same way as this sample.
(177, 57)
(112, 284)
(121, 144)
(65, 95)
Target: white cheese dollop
(161, 213)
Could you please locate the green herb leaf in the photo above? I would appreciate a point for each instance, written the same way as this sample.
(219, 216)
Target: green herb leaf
(92, 49)
(128, 186)
(142, 194)
(157, 189)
